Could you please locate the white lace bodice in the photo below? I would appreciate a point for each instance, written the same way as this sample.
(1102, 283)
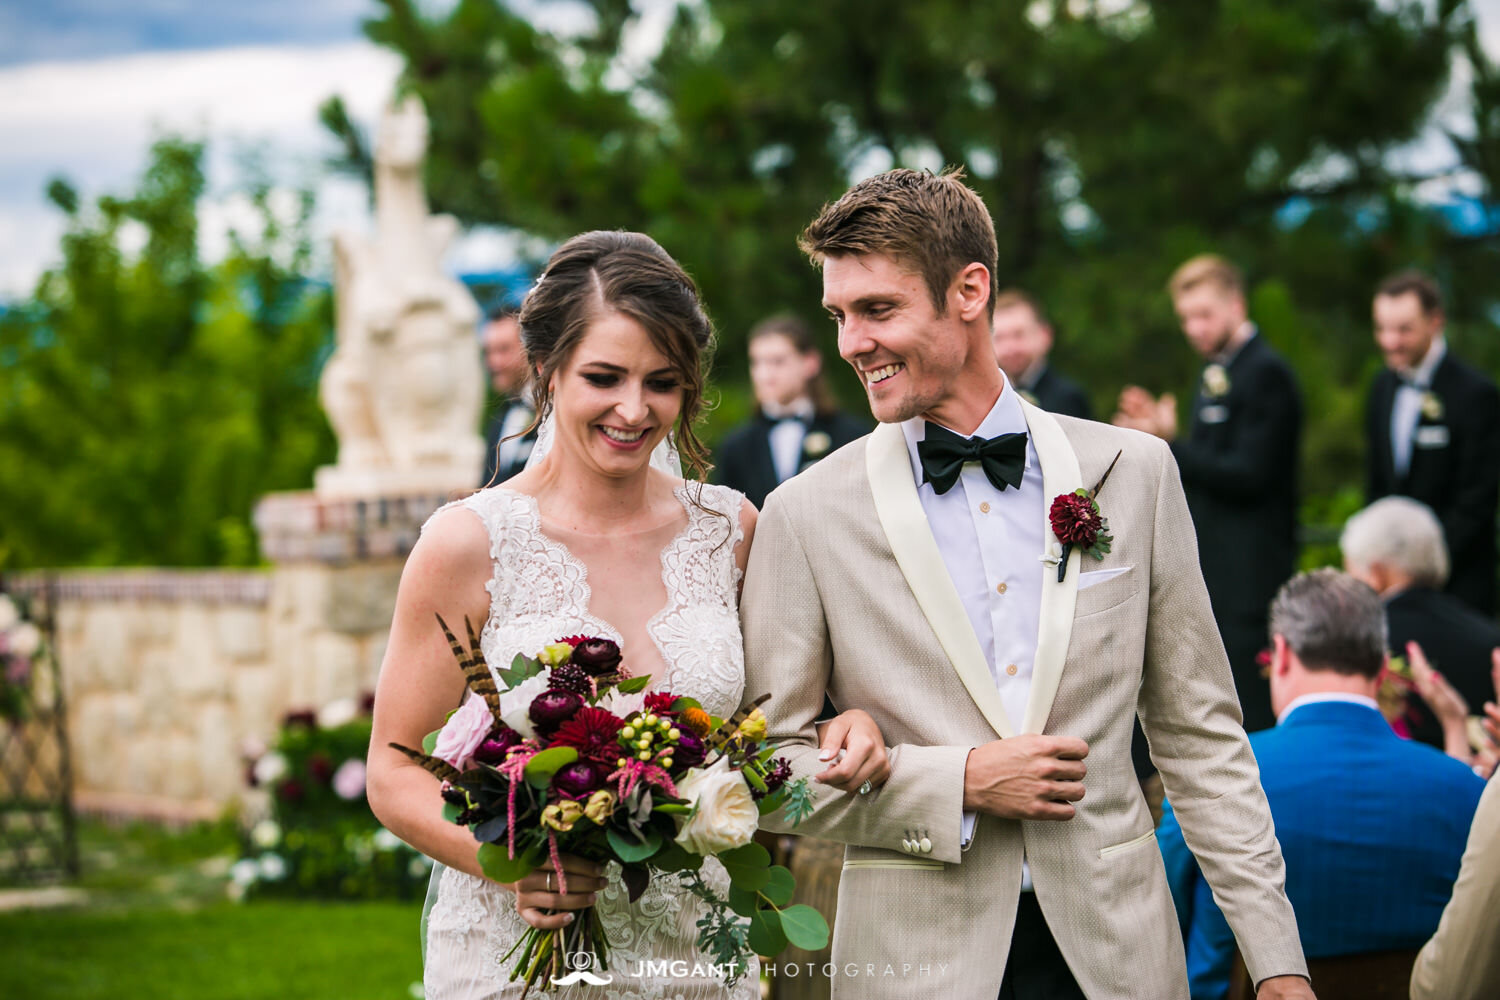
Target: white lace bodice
(539, 592)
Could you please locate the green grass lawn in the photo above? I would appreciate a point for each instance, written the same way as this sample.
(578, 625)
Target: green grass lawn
(225, 951)
(157, 926)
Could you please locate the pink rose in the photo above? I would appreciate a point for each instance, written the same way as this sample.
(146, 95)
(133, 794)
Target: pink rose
(464, 731)
(349, 779)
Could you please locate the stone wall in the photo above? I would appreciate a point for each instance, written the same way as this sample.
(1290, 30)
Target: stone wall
(168, 673)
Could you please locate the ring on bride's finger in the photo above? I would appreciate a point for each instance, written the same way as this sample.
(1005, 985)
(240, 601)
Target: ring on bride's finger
(865, 788)
(549, 881)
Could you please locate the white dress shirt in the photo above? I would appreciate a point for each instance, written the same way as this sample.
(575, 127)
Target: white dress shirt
(991, 542)
(1406, 408)
(787, 435)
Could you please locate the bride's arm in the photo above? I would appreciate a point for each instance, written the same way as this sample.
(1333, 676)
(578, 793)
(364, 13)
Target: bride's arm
(420, 682)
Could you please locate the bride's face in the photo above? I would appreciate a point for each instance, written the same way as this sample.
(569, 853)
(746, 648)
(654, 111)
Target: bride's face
(615, 397)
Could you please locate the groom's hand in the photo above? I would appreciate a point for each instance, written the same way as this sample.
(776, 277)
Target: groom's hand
(1026, 777)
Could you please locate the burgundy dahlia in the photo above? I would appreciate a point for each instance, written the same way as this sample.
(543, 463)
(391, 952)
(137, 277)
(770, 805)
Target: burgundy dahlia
(593, 732)
(1075, 520)
(660, 702)
(552, 708)
(597, 656)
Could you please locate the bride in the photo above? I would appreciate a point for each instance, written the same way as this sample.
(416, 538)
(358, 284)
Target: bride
(594, 539)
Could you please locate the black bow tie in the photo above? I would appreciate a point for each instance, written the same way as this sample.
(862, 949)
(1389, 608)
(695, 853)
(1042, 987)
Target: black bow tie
(943, 454)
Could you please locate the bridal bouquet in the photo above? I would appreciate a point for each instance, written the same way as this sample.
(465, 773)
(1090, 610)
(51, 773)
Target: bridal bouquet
(573, 756)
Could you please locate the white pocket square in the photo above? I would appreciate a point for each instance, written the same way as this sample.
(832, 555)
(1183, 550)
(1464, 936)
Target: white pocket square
(1087, 580)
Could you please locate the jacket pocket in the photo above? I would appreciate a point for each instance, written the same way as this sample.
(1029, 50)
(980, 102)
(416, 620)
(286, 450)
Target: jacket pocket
(1148, 837)
(914, 864)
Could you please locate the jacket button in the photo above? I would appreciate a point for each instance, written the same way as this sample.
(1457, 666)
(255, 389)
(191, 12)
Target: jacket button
(926, 846)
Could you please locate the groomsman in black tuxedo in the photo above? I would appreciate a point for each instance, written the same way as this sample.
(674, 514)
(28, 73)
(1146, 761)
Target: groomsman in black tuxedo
(1023, 339)
(1238, 463)
(1433, 430)
(506, 446)
(797, 423)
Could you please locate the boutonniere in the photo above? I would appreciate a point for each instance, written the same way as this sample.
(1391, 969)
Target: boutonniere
(1432, 406)
(1215, 382)
(816, 444)
(1077, 521)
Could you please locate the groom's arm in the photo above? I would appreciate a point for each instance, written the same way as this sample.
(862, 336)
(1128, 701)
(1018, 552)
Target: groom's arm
(1191, 717)
(789, 654)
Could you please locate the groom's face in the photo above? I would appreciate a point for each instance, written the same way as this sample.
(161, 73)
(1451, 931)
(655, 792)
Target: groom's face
(908, 357)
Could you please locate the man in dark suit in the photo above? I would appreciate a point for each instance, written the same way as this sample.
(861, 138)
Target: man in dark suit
(507, 439)
(1238, 463)
(796, 423)
(1396, 546)
(1372, 826)
(1023, 340)
(1433, 430)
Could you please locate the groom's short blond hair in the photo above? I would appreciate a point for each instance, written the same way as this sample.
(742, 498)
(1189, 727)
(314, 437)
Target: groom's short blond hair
(933, 224)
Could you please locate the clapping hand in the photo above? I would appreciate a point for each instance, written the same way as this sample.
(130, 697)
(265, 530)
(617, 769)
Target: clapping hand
(1141, 411)
(1446, 703)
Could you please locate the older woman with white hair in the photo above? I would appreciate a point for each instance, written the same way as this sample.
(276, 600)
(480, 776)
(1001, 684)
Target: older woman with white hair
(1396, 546)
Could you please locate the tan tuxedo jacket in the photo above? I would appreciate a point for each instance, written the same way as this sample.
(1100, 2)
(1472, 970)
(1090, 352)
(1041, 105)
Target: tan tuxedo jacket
(846, 592)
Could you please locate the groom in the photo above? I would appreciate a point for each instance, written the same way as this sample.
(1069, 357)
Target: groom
(915, 574)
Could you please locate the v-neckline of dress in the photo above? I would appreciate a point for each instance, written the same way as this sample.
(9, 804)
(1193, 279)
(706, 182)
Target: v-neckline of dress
(586, 614)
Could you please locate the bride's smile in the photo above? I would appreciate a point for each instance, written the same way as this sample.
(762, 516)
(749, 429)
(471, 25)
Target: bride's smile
(616, 397)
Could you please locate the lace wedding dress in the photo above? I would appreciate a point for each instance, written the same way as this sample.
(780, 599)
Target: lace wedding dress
(539, 592)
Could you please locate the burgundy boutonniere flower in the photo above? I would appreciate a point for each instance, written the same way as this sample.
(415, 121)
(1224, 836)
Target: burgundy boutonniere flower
(1077, 521)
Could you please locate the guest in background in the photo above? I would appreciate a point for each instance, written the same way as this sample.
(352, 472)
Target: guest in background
(1396, 546)
(796, 424)
(1433, 431)
(1238, 463)
(1462, 961)
(1372, 826)
(1023, 340)
(509, 436)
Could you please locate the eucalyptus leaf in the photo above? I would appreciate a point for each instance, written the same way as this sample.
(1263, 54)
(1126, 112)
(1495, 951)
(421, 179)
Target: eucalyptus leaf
(629, 850)
(747, 866)
(541, 768)
(498, 866)
(766, 934)
(805, 927)
(633, 684)
(779, 886)
(741, 901)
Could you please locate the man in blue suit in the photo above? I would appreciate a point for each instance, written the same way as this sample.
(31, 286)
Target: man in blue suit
(1372, 826)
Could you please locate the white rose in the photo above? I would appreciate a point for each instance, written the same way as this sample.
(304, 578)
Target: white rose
(270, 768)
(726, 815)
(515, 704)
(25, 640)
(8, 613)
(338, 713)
(266, 834)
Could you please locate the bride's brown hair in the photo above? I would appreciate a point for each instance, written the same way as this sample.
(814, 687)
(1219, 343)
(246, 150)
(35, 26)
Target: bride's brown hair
(627, 273)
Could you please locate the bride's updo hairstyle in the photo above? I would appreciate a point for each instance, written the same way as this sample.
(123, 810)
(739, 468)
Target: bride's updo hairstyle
(630, 274)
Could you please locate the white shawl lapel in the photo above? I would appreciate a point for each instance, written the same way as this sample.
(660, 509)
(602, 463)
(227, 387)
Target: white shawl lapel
(888, 465)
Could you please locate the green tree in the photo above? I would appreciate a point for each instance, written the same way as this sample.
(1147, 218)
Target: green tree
(147, 398)
(1110, 140)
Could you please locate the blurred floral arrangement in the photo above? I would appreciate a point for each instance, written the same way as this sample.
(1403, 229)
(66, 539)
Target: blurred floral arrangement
(319, 838)
(20, 650)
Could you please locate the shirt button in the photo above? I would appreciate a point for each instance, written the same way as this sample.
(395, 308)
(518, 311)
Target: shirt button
(1011, 670)
(984, 508)
(1001, 588)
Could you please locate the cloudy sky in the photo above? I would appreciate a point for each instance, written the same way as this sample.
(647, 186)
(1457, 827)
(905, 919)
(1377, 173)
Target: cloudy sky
(86, 84)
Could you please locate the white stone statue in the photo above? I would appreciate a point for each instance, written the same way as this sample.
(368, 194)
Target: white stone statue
(404, 386)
